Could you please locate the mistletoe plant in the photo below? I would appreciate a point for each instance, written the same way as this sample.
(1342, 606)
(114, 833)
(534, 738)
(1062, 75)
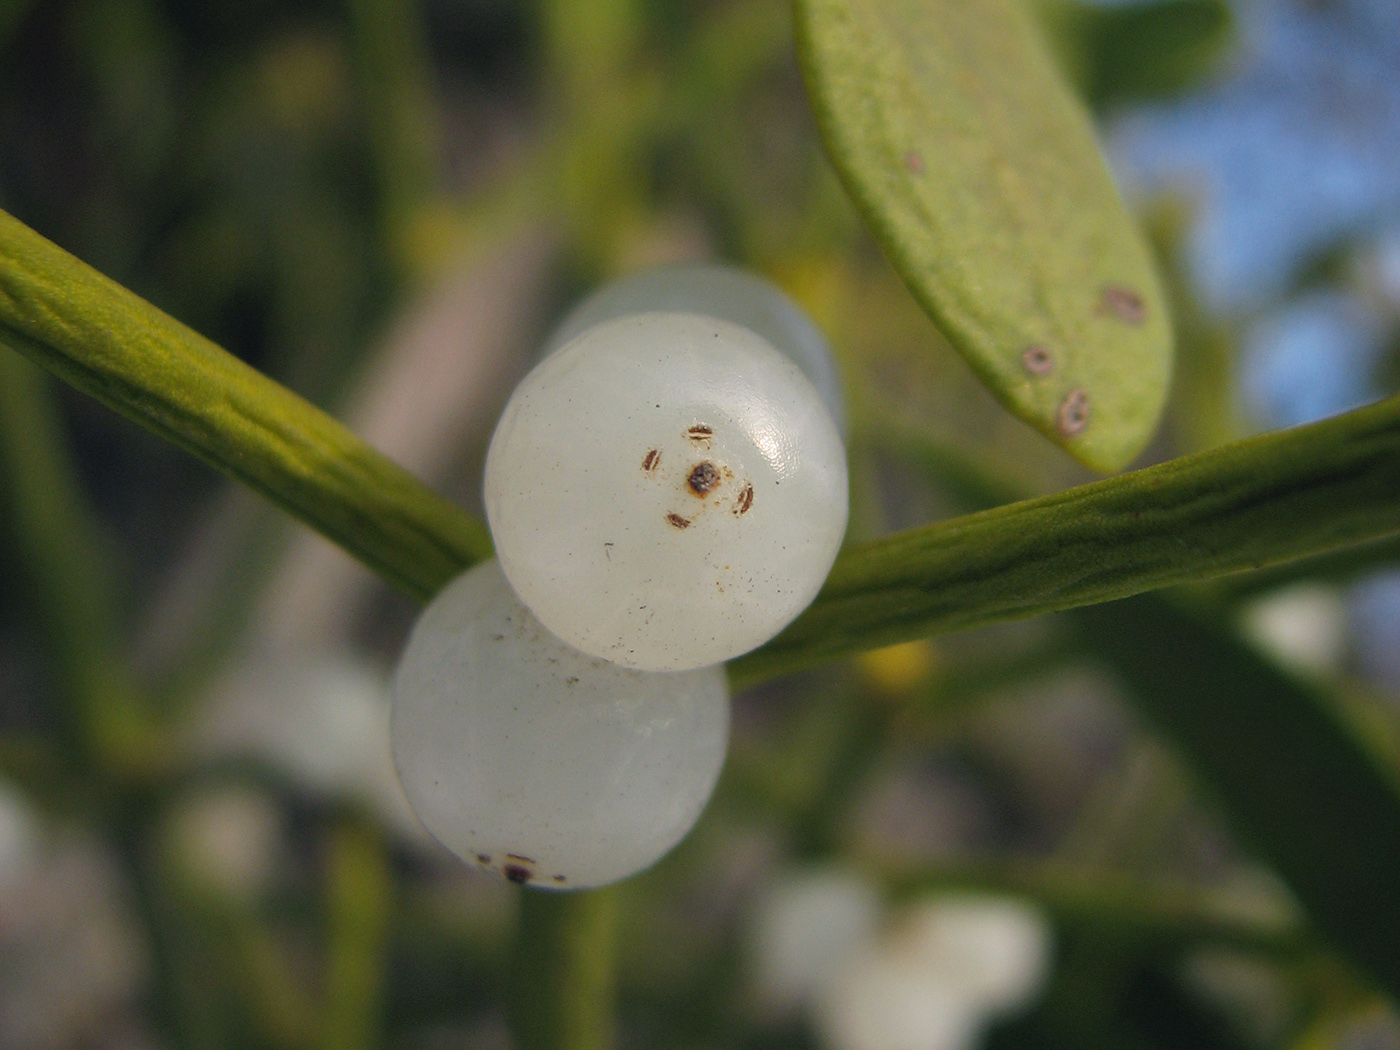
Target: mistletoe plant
(954, 132)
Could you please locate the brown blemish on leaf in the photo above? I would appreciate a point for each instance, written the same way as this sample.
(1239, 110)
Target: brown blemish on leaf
(677, 521)
(703, 477)
(1123, 303)
(652, 461)
(517, 874)
(1074, 412)
(744, 502)
(1037, 360)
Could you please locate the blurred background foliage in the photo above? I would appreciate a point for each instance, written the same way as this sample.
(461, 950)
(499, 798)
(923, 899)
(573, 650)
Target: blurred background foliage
(385, 204)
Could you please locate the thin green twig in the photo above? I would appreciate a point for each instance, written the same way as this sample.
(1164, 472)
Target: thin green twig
(111, 344)
(1246, 505)
(564, 972)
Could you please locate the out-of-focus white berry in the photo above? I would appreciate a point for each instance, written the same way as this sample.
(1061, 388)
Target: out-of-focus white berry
(527, 757)
(20, 835)
(667, 491)
(321, 717)
(936, 976)
(887, 998)
(226, 839)
(806, 927)
(74, 962)
(1303, 626)
(993, 951)
(731, 295)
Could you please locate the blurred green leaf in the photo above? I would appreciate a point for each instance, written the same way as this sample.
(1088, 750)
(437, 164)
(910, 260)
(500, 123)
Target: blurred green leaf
(111, 344)
(1136, 52)
(982, 179)
(12, 12)
(62, 553)
(1302, 779)
(1285, 764)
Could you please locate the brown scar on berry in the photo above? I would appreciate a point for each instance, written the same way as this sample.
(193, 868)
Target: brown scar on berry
(560, 878)
(744, 502)
(652, 461)
(1123, 303)
(483, 858)
(677, 521)
(1037, 360)
(517, 874)
(517, 856)
(703, 477)
(699, 432)
(1074, 412)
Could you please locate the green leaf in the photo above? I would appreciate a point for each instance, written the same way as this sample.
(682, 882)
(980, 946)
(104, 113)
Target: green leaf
(1303, 790)
(982, 179)
(1136, 52)
(1247, 505)
(109, 343)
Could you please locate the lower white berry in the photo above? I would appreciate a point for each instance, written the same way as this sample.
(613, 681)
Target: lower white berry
(526, 757)
(667, 491)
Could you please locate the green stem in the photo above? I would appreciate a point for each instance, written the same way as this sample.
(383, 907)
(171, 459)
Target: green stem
(1172, 912)
(360, 906)
(564, 973)
(109, 343)
(1246, 505)
(1254, 503)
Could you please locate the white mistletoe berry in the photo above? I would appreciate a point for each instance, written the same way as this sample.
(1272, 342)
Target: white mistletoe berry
(524, 756)
(667, 491)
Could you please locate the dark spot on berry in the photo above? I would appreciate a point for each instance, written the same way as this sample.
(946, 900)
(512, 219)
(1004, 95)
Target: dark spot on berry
(559, 878)
(652, 461)
(703, 477)
(571, 680)
(517, 856)
(1074, 412)
(1123, 303)
(745, 500)
(517, 874)
(677, 521)
(483, 858)
(1037, 360)
(498, 637)
(699, 432)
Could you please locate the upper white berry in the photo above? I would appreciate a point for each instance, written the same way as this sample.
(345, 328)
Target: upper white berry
(666, 491)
